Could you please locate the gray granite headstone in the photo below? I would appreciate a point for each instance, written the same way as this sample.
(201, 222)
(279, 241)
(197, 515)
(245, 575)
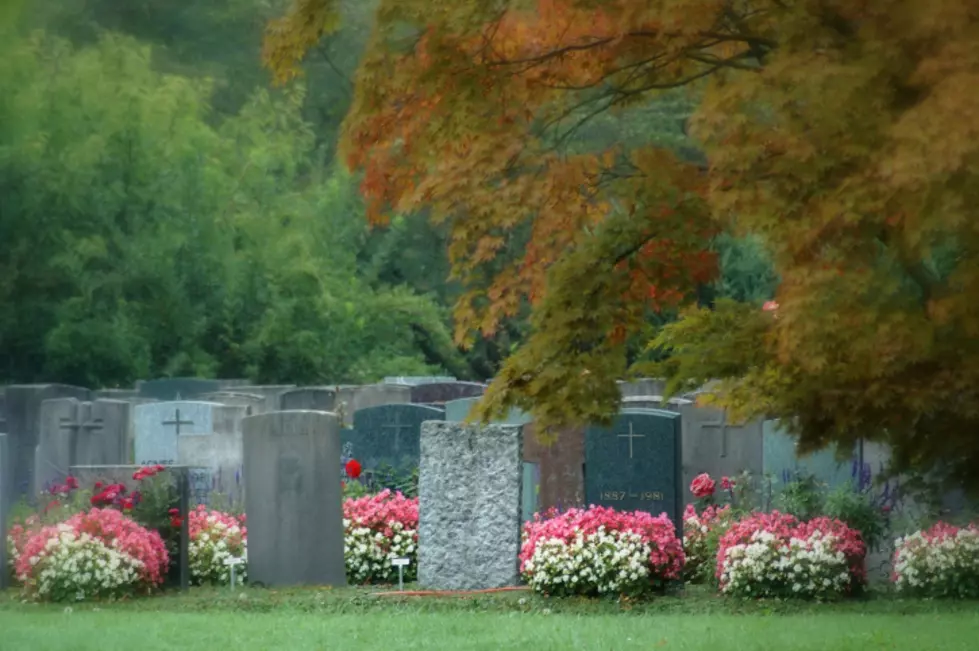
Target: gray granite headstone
(75, 433)
(308, 398)
(270, 392)
(642, 387)
(178, 388)
(215, 458)
(635, 464)
(252, 402)
(655, 402)
(439, 393)
(158, 424)
(714, 445)
(415, 380)
(388, 436)
(23, 427)
(115, 394)
(4, 502)
(469, 492)
(373, 395)
(293, 499)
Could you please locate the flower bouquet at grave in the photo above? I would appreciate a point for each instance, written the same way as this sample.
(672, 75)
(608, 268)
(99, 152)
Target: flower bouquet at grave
(215, 537)
(942, 561)
(776, 555)
(377, 529)
(98, 554)
(600, 551)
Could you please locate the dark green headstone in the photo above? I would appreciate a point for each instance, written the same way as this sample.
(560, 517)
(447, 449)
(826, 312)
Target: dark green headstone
(178, 388)
(635, 465)
(388, 436)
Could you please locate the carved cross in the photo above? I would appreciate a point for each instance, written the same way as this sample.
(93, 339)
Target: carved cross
(631, 435)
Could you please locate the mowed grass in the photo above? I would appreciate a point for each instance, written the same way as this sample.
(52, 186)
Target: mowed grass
(132, 630)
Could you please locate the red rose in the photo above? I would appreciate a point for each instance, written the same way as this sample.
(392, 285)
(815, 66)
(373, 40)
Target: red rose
(98, 485)
(702, 486)
(726, 483)
(352, 469)
(71, 482)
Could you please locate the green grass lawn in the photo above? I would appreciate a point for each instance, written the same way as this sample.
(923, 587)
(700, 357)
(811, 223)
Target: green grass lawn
(296, 620)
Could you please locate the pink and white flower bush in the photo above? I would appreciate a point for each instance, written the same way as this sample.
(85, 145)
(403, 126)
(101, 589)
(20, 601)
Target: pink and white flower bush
(775, 555)
(96, 554)
(942, 561)
(214, 538)
(377, 529)
(599, 551)
(696, 530)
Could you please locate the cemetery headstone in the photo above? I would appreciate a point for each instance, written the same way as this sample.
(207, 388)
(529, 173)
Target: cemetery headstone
(642, 387)
(713, 444)
(3, 410)
(561, 464)
(215, 458)
(439, 393)
(469, 506)
(655, 402)
(4, 499)
(177, 388)
(270, 392)
(252, 402)
(314, 398)
(388, 436)
(418, 379)
(115, 394)
(782, 461)
(79, 433)
(635, 464)
(293, 498)
(159, 424)
(23, 428)
(373, 395)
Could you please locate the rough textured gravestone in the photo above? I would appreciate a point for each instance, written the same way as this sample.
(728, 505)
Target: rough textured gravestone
(252, 402)
(388, 436)
(469, 506)
(178, 388)
(309, 398)
(215, 458)
(23, 428)
(157, 426)
(293, 498)
(75, 433)
(713, 445)
(635, 464)
(4, 500)
(439, 393)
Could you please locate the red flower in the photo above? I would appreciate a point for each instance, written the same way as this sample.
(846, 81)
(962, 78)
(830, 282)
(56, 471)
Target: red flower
(352, 469)
(71, 482)
(98, 485)
(726, 483)
(702, 486)
(770, 306)
(127, 504)
(174, 511)
(138, 475)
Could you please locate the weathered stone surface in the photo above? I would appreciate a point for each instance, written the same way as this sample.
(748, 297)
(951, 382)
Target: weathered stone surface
(293, 498)
(635, 464)
(415, 380)
(561, 467)
(713, 445)
(80, 433)
(159, 424)
(4, 506)
(252, 402)
(469, 506)
(439, 393)
(313, 398)
(23, 428)
(215, 459)
(642, 387)
(655, 402)
(373, 395)
(178, 388)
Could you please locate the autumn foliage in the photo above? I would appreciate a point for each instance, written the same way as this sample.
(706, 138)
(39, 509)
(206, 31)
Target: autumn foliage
(844, 133)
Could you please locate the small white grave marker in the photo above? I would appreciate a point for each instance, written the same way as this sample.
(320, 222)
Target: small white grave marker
(233, 562)
(401, 563)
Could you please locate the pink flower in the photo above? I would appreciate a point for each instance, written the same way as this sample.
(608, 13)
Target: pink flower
(702, 486)
(726, 483)
(770, 306)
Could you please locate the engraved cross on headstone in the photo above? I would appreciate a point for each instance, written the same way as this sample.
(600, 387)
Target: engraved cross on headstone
(631, 435)
(722, 424)
(92, 425)
(176, 422)
(397, 426)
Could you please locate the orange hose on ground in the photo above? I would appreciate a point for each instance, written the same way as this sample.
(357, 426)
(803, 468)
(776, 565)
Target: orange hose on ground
(449, 593)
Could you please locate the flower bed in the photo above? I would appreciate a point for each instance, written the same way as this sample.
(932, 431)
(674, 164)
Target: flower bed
(775, 555)
(697, 530)
(942, 561)
(96, 554)
(377, 529)
(215, 537)
(599, 551)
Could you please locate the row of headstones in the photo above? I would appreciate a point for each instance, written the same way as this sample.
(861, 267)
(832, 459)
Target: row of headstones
(53, 426)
